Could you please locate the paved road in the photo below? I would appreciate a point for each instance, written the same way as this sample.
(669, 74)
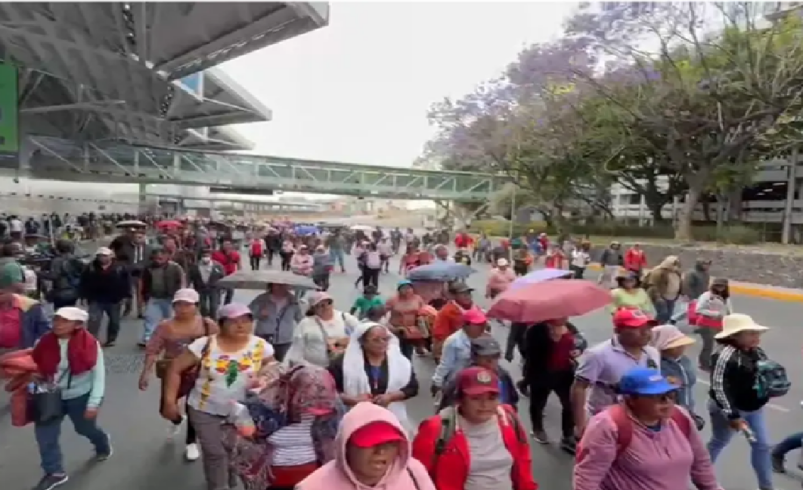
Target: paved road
(144, 457)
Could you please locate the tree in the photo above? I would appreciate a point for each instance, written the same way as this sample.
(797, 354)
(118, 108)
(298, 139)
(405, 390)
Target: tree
(708, 99)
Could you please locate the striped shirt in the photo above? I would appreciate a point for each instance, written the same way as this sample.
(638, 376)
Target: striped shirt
(293, 445)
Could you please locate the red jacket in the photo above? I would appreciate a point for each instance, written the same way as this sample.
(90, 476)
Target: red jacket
(450, 470)
(635, 260)
(230, 261)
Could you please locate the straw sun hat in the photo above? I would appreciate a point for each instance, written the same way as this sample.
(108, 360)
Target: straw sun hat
(737, 322)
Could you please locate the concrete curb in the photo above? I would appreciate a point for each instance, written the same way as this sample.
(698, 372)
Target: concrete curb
(754, 291)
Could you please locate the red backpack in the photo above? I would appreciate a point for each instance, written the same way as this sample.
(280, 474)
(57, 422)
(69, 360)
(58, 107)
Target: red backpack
(624, 428)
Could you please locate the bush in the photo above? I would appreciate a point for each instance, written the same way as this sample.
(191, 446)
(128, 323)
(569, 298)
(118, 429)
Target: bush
(737, 234)
(740, 235)
(502, 228)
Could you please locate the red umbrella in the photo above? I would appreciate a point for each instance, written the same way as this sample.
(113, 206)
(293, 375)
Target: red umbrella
(168, 224)
(559, 298)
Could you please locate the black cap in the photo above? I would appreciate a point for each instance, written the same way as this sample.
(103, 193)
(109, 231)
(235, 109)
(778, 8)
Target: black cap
(485, 345)
(460, 287)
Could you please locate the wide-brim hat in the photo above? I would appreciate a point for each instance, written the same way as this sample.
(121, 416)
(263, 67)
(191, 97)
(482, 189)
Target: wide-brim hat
(738, 322)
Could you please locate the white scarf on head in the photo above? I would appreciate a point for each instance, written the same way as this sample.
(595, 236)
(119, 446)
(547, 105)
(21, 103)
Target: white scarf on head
(355, 379)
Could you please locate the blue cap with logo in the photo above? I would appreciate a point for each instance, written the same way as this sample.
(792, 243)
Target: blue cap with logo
(645, 381)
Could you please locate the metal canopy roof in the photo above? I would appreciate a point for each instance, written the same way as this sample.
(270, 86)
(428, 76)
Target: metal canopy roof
(223, 31)
(90, 70)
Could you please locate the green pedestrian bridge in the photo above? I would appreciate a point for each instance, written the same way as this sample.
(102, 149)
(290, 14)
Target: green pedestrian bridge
(60, 159)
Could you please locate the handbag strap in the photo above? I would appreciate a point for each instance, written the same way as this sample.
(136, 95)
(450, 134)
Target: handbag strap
(323, 330)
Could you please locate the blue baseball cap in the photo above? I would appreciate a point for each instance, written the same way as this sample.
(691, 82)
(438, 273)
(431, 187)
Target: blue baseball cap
(402, 283)
(645, 381)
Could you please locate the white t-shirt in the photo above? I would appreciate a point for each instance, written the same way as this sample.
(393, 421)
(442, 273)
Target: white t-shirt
(15, 225)
(30, 279)
(580, 258)
(224, 376)
(309, 343)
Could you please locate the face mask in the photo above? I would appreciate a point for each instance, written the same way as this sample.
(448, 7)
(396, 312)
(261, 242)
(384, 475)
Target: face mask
(206, 260)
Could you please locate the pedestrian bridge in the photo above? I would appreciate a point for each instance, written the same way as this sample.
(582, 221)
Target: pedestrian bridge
(59, 159)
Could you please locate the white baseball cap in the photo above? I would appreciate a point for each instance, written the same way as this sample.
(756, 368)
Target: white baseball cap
(186, 295)
(73, 314)
(502, 262)
(104, 251)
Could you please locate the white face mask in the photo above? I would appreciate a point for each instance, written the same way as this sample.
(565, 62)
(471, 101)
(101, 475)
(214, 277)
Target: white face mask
(206, 260)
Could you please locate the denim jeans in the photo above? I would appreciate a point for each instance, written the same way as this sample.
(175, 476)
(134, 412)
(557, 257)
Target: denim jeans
(664, 309)
(156, 310)
(721, 434)
(337, 257)
(96, 312)
(795, 441)
(47, 435)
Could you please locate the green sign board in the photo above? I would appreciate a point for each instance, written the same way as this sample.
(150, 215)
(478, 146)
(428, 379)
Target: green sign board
(9, 109)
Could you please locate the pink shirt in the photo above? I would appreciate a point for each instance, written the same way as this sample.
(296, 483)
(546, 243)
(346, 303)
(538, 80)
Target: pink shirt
(499, 280)
(654, 460)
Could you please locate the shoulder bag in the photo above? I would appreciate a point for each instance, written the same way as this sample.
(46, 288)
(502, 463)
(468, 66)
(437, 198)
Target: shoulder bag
(46, 404)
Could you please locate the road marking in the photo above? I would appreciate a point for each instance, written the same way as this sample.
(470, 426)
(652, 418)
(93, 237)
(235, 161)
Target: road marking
(768, 405)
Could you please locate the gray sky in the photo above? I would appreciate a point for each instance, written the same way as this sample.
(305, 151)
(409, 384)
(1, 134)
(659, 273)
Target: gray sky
(359, 89)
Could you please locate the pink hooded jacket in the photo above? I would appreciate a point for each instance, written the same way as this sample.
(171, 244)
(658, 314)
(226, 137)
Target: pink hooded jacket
(406, 474)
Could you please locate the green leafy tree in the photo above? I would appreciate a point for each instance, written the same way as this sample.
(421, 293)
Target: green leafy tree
(709, 94)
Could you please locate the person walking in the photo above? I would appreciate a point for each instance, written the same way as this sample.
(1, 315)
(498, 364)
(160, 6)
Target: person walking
(739, 393)
(203, 276)
(160, 281)
(230, 260)
(169, 340)
(105, 285)
(72, 359)
(277, 311)
(241, 355)
(256, 250)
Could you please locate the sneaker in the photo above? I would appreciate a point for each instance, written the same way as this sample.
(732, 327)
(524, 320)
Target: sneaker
(568, 444)
(192, 452)
(108, 454)
(540, 437)
(174, 429)
(51, 481)
(777, 463)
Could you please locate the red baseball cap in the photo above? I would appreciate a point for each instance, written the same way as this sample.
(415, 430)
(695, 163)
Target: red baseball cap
(475, 316)
(477, 381)
(632, 318)
(376, 433)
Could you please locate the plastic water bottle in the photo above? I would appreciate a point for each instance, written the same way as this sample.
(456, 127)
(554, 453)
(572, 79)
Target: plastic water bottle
(241, 419)
(748, 434)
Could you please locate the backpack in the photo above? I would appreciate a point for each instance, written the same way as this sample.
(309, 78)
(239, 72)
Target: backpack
(624, 428)
(771, 379)
(70, 274)
(373, 260)
(449, 427)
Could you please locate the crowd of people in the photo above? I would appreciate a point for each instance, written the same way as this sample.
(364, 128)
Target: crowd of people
(292, 392)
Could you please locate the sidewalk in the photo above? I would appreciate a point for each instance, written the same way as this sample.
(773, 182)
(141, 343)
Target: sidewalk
(751, 289)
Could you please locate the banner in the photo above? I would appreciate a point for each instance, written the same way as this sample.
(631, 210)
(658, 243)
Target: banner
(9, 109)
